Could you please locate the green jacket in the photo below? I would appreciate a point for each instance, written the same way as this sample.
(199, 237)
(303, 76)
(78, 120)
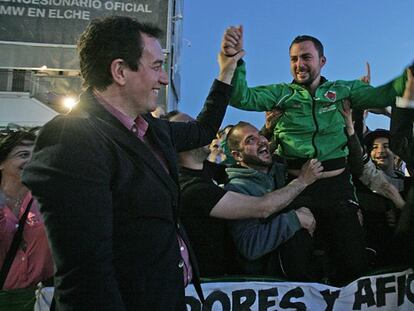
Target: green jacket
(312, 126)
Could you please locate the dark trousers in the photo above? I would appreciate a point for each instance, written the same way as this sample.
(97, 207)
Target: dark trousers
(338, 231)
(296, 259)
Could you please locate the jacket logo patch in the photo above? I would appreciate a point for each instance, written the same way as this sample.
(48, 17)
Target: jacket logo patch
(331, 95)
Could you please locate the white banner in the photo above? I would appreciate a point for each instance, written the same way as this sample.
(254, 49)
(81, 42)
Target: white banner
(393, 291)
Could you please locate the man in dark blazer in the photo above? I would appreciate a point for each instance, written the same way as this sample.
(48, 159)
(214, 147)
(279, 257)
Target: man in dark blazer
(106, 176)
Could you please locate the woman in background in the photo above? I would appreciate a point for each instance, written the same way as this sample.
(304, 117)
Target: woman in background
(32, 262)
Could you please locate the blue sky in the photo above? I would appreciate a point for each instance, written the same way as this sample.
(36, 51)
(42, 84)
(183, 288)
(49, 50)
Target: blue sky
(353, 32)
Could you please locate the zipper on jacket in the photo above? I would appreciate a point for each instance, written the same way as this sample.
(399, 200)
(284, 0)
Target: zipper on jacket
(317, 128)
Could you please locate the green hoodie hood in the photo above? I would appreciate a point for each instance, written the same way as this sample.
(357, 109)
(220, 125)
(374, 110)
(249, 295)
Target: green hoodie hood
(252, 182)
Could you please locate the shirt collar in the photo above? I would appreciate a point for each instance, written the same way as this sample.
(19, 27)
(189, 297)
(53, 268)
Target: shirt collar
(139, 122)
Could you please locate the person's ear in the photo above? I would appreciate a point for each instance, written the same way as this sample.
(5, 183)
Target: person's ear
(322, 61)
(236, 155)
(118, 67)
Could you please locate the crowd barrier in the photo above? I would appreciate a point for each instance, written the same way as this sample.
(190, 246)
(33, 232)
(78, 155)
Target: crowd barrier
(388, 292)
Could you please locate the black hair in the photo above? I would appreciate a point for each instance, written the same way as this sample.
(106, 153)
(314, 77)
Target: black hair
(13, 139)
(232, 140)
(109, 38)
(318, 45)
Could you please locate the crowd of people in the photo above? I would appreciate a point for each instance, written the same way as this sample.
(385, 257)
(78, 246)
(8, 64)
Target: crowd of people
(129, 207)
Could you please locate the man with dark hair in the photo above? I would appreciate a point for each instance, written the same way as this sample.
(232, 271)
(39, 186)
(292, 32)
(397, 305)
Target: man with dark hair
(107, 181)
(109, 39)
(280, 245)
(303, 38)
(205, 206)
(311, 126)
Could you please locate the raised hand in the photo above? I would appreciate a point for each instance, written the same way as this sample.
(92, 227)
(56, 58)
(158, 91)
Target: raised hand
(347, 114)
(367, 77)
(227, 66)
(310, 172)
(232, 42)
(271, 118)
(409, 85)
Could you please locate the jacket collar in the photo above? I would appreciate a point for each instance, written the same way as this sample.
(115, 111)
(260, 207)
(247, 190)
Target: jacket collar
(322, 81)
(114, 130)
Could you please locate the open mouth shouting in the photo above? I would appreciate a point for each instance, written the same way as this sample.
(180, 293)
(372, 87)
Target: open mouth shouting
(263, 151)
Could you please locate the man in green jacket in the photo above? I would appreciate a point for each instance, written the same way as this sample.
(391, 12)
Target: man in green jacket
(311, 126)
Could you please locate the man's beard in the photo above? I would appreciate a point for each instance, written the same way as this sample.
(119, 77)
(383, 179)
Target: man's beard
(255, 161)
(308, 81)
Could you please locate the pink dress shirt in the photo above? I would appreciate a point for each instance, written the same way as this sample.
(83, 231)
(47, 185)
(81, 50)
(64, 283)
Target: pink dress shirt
(33, 262)
(139, 128)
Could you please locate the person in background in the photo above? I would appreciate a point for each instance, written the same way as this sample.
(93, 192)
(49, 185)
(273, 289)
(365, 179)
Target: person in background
(401, 131)
(376, 189)
(158, 113)
(216, 152)
(218, 148)
(206, 207)
(32, 262)
(377, 143)
(401, 143)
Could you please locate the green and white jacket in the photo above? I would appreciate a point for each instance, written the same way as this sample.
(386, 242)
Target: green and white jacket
(312, 126)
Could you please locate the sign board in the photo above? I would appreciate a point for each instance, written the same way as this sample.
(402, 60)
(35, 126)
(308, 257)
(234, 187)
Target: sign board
(36, 33)
(386, 292)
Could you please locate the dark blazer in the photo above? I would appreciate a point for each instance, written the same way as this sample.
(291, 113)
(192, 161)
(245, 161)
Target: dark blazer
(111, 209)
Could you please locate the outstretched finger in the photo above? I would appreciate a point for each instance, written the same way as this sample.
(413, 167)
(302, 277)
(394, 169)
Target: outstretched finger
(368, 68)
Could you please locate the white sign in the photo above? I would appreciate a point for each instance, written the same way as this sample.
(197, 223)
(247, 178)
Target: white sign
(386, 292)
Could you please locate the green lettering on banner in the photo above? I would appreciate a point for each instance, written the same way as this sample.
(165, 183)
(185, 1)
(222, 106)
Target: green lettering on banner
(247, 295)
(264, 295)
(297, 292)
(366, 298)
